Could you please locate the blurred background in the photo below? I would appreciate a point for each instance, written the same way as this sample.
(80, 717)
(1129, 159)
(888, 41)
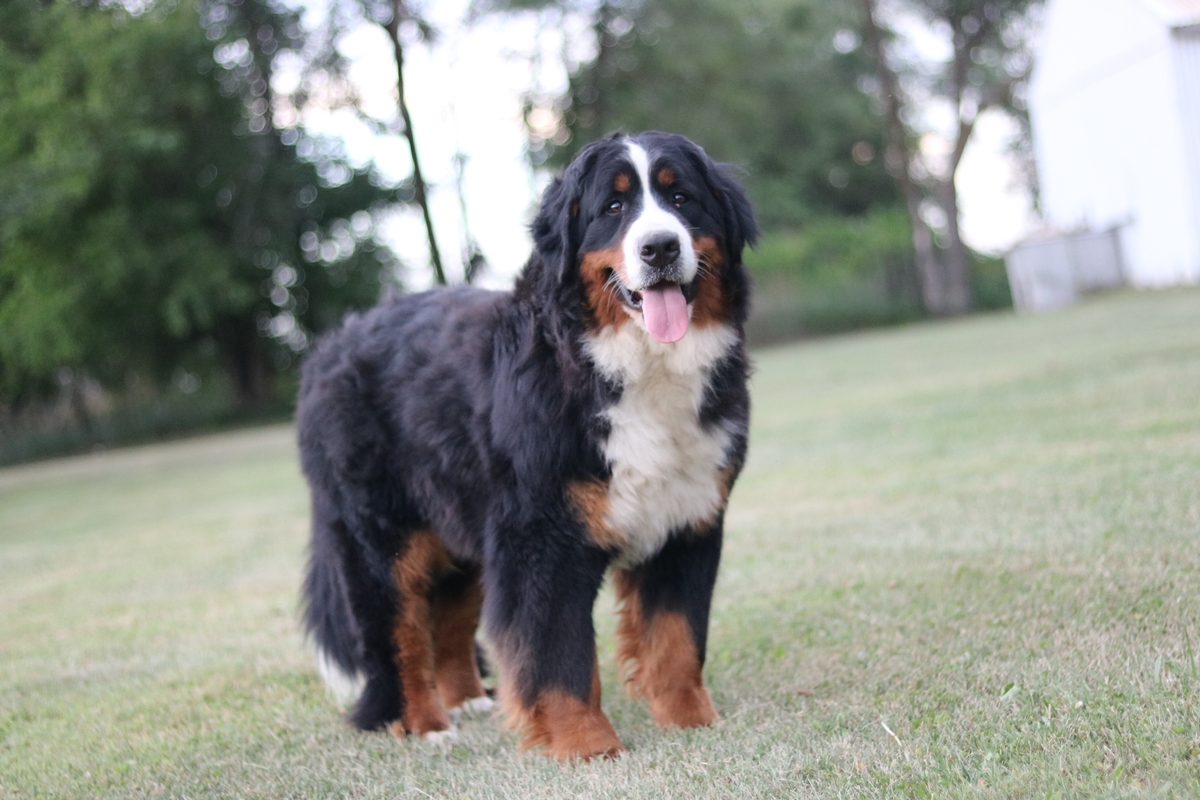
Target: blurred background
(191, 190)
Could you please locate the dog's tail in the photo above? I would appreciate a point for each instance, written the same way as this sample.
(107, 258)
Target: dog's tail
(328, 618)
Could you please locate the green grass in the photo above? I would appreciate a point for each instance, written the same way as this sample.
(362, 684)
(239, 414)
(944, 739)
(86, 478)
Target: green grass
(963, 561)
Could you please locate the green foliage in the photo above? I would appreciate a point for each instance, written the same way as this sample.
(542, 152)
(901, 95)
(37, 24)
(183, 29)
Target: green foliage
(838, 273)
(137, 419)
(989, 283)
(841, 273)
(775, 88)
(150, 214)
(761, 85)
(832, 250)
(993, 43)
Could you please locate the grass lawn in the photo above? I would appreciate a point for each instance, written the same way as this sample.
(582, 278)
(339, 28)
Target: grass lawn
(963, 561)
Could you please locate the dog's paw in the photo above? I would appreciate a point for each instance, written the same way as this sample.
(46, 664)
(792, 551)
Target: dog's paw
(474, 707)
(477, 706)
(441, 740)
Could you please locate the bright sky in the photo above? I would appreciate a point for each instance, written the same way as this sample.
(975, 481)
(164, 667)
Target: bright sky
(464, 94)
(995, 207)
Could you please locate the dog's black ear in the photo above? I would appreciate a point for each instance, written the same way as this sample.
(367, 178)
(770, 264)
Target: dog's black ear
(741, 229)
(559, 225)
(551, 226)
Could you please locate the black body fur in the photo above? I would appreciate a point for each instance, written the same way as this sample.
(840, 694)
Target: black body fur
(467, 412)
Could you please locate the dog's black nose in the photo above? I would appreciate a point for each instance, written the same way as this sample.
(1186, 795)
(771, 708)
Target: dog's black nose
(661, 250)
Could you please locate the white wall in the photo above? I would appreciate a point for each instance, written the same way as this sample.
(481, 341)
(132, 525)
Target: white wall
(1109, 134)
(1187, 70)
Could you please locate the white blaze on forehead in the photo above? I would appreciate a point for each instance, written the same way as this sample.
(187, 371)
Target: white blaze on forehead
(652, 220)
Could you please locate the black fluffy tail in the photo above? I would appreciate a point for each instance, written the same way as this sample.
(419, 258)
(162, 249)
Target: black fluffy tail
(327, 615)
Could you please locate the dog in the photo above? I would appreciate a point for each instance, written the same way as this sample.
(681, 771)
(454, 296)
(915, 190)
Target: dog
(471, 452)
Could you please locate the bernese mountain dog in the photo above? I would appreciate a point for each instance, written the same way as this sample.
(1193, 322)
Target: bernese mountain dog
(471, 452)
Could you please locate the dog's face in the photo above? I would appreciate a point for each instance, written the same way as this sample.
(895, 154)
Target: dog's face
(650, 227)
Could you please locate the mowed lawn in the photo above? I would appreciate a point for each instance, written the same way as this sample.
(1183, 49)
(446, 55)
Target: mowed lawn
(963, 561)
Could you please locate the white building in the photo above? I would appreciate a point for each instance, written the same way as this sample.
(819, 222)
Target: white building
(1115, 104)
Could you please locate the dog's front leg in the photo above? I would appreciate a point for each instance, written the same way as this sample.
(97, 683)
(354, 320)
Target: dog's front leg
(663, 628)
(540, 589)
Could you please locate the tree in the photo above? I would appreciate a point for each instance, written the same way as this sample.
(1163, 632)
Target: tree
(152, 214)
(988, 67)
(774, 87)
(399, 14)
(394, 17)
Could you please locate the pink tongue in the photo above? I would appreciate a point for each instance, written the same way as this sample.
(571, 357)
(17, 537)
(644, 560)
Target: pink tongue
(665, 312)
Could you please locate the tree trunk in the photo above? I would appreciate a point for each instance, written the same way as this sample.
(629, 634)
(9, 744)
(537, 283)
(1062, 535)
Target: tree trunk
(245, 358)
(79, 407)
(945, 278)
(929, 269)
(393, 32)
(900, 159)
(604, 17)
(956, 259)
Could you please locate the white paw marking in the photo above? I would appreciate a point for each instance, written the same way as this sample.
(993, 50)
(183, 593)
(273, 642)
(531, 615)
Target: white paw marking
(442, 740)
(477, 705)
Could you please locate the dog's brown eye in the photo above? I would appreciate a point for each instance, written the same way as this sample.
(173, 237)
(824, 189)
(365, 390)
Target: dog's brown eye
(679, 199)
(615, 207)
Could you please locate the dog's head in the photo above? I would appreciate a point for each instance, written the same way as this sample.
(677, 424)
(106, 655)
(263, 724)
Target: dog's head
(651, 232)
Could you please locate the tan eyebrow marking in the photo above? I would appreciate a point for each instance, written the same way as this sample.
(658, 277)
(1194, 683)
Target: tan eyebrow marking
(621, 184)
(666, 176)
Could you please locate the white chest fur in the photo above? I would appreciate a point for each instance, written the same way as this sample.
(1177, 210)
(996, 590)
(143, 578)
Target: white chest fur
(665, 465)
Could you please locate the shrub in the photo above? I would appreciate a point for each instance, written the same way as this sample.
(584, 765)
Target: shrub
(843, 273)
(835, 275)
(989, 283)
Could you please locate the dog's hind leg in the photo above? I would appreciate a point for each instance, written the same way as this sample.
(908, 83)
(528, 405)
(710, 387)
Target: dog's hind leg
(415, 571)
(457, 601)
(663, 629)
(373, 600)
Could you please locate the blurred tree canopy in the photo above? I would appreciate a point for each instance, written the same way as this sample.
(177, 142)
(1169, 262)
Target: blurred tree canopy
(989, 64)
(774, 86)
(151, 214)
(826, 128)
(164, 217)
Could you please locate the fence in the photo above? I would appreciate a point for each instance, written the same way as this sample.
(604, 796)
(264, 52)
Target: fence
(1051, 273)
